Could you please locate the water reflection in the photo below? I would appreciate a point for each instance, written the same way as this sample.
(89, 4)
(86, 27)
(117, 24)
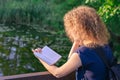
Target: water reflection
(12, 53)
(15, 48)
(15, 53)
(1, 73)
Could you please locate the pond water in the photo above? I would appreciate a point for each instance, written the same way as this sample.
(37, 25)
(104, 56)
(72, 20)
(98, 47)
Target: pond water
(16, 43)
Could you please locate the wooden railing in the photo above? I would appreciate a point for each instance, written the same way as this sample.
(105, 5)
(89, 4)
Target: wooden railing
(37, 76)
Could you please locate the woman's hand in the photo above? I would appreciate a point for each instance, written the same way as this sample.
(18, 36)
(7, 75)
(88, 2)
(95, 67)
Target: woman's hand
(39, 50)
(74, 47)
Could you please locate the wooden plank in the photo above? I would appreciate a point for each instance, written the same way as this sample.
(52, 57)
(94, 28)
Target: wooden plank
(37, 76)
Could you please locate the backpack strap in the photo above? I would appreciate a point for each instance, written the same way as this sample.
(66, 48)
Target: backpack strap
(101, 54)
(112, 74)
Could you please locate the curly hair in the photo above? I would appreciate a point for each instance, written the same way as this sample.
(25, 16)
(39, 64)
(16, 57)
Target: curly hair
(83, 23)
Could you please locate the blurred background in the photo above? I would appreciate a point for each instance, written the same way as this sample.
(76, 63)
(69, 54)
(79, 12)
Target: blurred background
(27, 24)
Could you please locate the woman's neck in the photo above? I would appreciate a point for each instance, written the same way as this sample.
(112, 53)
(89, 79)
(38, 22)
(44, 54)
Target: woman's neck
(89, 43)
(86, 42)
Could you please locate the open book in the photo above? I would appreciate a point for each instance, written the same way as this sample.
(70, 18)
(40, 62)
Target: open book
(48, 55)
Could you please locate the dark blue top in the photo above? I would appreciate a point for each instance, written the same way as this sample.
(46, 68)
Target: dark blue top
(93, 67)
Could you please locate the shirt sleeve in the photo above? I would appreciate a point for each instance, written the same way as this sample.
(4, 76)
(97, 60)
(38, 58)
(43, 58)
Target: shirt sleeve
(85, 56)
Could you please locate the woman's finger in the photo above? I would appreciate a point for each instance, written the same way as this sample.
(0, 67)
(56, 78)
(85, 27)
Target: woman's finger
(37, 50)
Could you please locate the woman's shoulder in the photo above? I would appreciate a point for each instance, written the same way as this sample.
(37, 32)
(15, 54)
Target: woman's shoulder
(82, 49)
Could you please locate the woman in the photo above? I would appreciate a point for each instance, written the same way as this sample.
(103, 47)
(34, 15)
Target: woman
(85, 29)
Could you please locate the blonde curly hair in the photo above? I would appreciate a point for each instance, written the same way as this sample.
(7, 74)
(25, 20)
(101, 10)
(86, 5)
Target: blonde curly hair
(83, 23)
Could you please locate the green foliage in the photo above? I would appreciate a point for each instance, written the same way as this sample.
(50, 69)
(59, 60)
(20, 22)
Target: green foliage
(110, 13)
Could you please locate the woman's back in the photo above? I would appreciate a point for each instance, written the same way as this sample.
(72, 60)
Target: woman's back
(93, 67)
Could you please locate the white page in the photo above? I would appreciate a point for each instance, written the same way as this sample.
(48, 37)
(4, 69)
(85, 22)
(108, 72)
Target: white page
(48, 55)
